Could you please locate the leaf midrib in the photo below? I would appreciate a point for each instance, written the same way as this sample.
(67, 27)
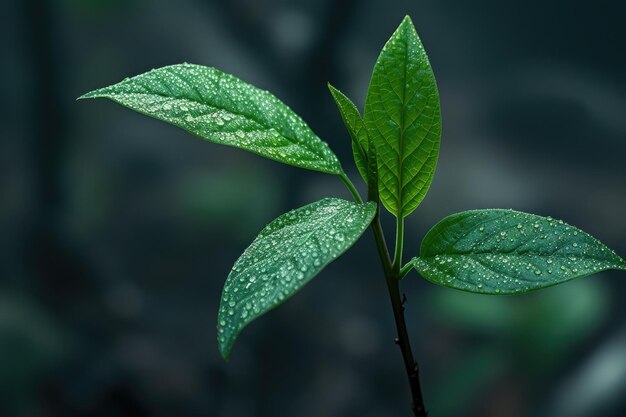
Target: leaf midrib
(513, 255)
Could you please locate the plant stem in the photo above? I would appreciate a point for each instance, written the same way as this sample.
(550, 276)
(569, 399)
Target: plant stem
(392, 277)
(381, 245)
(351, 187)
(397, 258)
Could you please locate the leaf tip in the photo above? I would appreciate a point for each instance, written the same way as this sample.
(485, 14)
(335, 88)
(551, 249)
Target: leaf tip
(333, 91)
(225, 338)
(224, 353)
(84, 96)
(91, 94)
(407, 23)
(407, 28)
(225, 346)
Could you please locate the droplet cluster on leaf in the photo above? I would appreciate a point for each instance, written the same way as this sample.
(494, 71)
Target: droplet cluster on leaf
(221, 108)
(286, 255)
(506, 252)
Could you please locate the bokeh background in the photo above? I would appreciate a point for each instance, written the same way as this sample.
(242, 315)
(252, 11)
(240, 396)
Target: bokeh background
(117, 231)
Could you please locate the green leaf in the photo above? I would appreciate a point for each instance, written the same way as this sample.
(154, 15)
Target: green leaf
(221, 108)
(507, 252)
(286, 255)
(403, 118)
(356, 128)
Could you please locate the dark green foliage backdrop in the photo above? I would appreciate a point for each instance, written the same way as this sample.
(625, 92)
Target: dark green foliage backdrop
(117, 231)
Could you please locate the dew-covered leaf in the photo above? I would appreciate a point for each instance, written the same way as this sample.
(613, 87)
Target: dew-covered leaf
(356, 128)
(403, 118)
(286, 255)
(221, 108)
(507, 252)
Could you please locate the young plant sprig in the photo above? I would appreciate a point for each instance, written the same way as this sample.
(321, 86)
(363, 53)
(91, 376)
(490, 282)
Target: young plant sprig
(396, 146)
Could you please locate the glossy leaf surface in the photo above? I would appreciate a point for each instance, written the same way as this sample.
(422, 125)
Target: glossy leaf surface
(506, 252)
(356, 128)
(286, 255)
(403, 118)
(221, 108)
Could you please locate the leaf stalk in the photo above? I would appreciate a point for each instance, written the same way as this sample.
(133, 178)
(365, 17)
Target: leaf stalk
(397, 258)
(406, 269)
(351, 187)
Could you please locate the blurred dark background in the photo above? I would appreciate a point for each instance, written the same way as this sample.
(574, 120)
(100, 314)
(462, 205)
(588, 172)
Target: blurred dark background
(117, 231)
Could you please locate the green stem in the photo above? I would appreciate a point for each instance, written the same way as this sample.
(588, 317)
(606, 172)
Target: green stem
(351, 187)
(392, 278)
(381, 245)
(397, 258)
(406, 269)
